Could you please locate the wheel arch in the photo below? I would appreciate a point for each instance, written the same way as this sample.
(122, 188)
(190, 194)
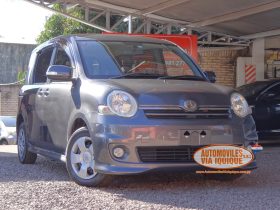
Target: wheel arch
(3, 139)
(19, 121)
(77, 122)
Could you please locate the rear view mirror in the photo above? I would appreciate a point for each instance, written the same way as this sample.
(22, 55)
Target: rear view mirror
(211, 76)
(59, 72)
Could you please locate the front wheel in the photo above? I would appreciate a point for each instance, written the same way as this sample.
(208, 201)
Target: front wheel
(80, 160)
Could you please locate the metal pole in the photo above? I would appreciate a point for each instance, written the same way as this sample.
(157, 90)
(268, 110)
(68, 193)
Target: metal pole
(108, 21)
(129, 24)
(148, 27)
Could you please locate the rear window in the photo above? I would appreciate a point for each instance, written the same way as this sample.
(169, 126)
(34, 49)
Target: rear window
(9, 121)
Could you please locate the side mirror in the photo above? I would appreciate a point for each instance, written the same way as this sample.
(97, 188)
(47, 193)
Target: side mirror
(211, 76)
(59, 72)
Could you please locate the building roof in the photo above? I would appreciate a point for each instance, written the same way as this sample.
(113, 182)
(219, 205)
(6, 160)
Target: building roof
(245, 19)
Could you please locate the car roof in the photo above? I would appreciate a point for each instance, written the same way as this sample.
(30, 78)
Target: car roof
(2, 117)
(102, 37)
(114, 37)
(268, 82)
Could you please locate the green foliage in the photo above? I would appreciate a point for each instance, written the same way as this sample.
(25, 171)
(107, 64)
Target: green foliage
(21, 77)
(58, 25)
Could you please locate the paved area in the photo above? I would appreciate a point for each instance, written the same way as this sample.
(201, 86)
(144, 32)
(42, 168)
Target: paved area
(45, 185)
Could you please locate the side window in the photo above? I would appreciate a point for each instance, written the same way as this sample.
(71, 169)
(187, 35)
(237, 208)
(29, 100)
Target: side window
(62, 58)
(42, 64)
(96, 60)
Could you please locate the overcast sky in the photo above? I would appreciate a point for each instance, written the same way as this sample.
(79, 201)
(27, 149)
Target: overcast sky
(20, 21)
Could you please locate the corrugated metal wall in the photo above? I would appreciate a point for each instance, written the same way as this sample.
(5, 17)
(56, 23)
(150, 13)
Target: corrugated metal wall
(13, 58)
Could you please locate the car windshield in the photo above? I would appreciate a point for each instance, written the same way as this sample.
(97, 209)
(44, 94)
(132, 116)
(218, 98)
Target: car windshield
(117, 59)
(252, 89)
(9, 121)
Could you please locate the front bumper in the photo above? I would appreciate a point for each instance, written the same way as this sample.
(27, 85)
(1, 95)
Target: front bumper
(122, 169)
(132, 137)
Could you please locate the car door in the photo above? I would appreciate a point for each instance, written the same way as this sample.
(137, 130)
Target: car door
(58, 102)
(34, 97)
(268, 109)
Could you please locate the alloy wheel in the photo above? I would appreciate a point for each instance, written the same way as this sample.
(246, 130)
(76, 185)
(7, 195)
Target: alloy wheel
(82, 158)
(21, 143)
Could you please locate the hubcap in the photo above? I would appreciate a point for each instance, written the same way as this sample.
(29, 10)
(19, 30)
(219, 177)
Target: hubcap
(82, 158)
(21, 143)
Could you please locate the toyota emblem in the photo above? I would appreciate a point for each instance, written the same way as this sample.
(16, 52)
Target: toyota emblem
(190, 105)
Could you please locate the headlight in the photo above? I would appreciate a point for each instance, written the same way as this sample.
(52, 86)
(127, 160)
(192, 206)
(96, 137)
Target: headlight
(122, 103)
(239, 105)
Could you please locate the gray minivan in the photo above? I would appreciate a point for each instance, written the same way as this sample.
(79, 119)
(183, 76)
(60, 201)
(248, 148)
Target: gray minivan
(118, 104)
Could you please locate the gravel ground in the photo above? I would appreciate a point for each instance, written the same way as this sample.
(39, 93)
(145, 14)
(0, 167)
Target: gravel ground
(46, 185)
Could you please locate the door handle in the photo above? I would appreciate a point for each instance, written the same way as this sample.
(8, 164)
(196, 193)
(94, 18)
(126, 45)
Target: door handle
(42, 92)
(46, 92)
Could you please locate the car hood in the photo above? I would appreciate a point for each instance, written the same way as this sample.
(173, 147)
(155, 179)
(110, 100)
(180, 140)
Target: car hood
(173, 92)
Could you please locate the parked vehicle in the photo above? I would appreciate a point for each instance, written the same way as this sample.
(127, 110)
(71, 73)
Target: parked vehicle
(115, 105)
(264, 98)
(8, 130)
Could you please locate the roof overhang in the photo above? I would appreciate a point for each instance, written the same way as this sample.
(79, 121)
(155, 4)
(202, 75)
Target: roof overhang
(216, 22)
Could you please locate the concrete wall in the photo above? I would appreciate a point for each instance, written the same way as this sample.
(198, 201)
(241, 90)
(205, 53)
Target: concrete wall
(13, 58)
(222, 61)
(9, 99)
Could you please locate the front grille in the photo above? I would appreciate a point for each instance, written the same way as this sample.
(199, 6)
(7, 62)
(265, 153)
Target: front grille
(175, 154)
(177, 112)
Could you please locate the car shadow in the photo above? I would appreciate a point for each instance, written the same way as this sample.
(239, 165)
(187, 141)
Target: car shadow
(177, 189)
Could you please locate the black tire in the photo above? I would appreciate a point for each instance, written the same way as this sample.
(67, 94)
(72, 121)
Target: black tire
(223, 177)
(4, 142)
(24, 156)
(96, 181)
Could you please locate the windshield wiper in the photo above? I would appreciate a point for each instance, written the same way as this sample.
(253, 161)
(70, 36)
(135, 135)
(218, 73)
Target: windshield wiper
(135, 67)
(184, 77)
(137, 75)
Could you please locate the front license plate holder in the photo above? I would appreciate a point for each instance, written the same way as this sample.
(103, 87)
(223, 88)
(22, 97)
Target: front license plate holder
(196, 137)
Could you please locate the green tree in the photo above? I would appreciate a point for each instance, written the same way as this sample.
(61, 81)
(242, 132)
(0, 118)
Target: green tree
(21, 76)
(58, 25)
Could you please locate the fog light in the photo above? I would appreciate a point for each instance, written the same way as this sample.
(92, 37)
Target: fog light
(118, 152)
